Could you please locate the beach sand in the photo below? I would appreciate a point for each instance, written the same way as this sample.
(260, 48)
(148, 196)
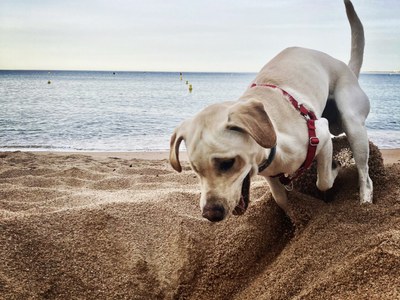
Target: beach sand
(126, 226)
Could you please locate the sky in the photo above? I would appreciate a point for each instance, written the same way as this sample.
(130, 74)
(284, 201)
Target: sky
(188, 35)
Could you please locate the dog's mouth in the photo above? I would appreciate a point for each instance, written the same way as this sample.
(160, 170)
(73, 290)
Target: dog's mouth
(244, 197)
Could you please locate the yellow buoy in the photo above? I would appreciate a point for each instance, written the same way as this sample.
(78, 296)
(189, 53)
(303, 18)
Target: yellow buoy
(190, 87)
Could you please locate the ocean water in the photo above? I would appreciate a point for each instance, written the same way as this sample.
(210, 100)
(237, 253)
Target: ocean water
(137, 111)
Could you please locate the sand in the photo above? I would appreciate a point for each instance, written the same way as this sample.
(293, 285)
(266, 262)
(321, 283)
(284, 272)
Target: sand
(126, 226)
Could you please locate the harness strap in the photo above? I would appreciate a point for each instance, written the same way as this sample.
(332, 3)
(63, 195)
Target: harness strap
(313, 141)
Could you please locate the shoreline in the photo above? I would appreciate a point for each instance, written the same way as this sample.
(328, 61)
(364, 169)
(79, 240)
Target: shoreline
(390, 156)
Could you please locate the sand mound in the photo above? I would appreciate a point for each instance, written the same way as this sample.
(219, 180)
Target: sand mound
(73, 227)
(343, 155)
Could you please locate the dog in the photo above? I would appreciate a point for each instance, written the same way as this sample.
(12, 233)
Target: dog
(284, 119)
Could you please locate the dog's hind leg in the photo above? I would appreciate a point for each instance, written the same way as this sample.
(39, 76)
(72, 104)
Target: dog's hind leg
(353, 105)
(358, 139)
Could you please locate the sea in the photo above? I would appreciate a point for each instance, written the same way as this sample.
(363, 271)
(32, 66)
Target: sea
(138, 111)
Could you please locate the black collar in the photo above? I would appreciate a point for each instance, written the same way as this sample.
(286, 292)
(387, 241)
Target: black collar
(267, 161)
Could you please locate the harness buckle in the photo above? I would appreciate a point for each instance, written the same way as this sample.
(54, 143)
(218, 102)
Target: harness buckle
(314, 141)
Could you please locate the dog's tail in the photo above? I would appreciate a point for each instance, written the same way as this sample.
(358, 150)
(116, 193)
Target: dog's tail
(357, 39)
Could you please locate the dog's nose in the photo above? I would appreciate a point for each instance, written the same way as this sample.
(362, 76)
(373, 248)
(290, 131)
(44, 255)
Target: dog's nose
(214, 212)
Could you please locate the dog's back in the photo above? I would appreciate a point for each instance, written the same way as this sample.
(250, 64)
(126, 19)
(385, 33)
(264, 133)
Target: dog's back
(314, 73)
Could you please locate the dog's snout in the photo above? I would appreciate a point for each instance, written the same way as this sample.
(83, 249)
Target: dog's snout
(214, 212)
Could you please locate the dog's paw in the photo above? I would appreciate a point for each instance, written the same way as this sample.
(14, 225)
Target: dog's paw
(329, 195)
(335, 164)
(326, 196)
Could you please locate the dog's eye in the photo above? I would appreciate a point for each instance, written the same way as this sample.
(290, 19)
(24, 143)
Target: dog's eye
(226, 165)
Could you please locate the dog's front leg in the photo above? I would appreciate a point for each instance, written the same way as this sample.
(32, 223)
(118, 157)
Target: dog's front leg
(298, 219)
(327, 168)
(279, 193)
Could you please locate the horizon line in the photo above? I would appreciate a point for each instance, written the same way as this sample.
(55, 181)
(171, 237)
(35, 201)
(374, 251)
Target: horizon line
(153, 71)
(125, 71)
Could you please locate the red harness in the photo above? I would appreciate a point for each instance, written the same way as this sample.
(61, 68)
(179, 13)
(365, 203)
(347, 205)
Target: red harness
(310, 118)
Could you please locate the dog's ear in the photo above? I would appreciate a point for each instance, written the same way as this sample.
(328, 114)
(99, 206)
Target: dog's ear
(251, 118)
(174, 144)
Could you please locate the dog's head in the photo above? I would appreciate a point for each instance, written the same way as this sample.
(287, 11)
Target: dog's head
(224, 142)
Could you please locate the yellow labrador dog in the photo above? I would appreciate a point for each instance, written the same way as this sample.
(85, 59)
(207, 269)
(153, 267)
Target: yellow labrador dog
(283, 120)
